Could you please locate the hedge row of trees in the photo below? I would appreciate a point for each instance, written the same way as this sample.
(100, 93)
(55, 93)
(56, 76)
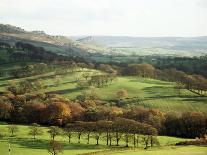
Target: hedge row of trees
(116, 130)
(112, 132)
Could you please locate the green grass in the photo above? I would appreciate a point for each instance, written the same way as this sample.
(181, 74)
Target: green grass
(24, 144)
(143, 92)
(182, 150)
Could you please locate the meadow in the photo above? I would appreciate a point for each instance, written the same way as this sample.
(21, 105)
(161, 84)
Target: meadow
(24, 144)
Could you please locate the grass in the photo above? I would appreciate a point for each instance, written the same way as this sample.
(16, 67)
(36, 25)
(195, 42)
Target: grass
(142, 92)
(172, 150)
(23, 144)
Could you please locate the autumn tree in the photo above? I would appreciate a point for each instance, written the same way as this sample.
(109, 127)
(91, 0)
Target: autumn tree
(122, 94)
(5, 108)
(141, 70)
(107, 68)
(57, 113)
(34, 112)
(77, 112)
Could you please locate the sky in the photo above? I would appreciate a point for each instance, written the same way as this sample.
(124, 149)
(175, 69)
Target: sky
(148, 18)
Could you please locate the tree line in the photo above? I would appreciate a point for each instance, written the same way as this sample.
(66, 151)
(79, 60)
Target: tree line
(111, 132)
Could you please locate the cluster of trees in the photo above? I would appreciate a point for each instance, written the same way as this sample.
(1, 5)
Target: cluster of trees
(59, 67)
(23, 109)
(100, 80)
(189, 124)
(29, 70)
(190, 65)
(194, 83)
(91, 80)
(194, 65)
(23, 51)
(140, 70)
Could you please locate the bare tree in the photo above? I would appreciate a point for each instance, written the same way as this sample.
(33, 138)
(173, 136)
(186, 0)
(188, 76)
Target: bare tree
(55, 147)
(35, 130)
(13, 129)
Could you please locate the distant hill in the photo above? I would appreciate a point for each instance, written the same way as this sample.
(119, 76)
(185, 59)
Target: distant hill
(147, 42)
(106, 45)
(152, 44)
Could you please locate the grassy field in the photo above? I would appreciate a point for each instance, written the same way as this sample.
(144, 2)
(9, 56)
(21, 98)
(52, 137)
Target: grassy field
(142, 92)
(23, 144)
(172, 150)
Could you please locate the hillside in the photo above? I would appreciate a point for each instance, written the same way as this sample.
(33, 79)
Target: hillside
(57, 44)
(141, 92)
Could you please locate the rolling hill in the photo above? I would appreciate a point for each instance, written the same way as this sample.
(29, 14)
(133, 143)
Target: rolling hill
(58, 44)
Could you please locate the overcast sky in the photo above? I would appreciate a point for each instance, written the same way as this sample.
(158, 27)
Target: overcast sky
(108, 17)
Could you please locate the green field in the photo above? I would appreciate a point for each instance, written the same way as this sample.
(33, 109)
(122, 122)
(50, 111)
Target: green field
(172, 150)
(24, 144)
(141, 92)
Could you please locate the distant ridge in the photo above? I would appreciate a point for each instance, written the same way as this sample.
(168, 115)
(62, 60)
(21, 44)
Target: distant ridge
(86, 39)
(173, 43)
(6, 28)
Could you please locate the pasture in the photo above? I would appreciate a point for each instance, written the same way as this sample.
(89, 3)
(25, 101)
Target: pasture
(147, 93)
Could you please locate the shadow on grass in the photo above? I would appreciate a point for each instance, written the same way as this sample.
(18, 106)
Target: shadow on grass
(158, 90)
(53, 85)
(43, 144)
(148, 81)
(6, 78)
(3, 85)
(64, 91)
(196, 99)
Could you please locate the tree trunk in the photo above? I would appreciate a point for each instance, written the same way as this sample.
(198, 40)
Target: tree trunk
(79, 136)
(107, 139)
(117, 139)
(69, 139)
(88, 138)
(134, 140)
(110, 139)
(137, 140)
(127, 140)
(97, 141)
